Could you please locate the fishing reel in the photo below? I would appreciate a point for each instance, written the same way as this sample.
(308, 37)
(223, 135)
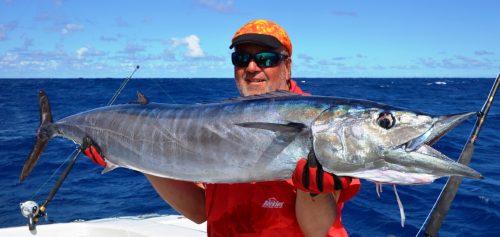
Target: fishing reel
(33, 212)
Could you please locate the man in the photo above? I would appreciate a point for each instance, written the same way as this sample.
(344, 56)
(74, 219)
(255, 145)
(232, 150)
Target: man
(262, 63)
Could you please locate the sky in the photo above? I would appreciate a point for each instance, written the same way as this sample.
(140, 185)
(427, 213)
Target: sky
(191, 38)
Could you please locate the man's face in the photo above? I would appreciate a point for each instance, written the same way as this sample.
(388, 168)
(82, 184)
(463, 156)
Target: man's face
(254, 80)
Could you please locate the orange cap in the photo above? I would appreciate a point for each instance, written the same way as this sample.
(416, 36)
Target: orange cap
(262, 32)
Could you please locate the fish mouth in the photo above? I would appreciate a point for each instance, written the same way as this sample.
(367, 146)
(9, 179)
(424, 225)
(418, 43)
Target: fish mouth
(441, 127)
(418, 155)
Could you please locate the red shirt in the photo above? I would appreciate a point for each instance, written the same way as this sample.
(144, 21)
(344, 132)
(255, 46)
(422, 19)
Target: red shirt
(262, 208)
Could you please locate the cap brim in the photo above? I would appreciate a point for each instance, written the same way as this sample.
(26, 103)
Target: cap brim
(265, 40)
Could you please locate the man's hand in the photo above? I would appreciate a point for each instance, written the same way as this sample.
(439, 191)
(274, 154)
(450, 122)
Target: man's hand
(93, 151)
(314, 180)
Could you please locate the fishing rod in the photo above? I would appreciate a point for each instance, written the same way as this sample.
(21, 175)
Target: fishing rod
(122, 86)
(440, 209)
(30, 209)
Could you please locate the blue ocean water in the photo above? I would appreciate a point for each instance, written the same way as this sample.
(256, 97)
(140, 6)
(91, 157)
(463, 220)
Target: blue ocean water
(86, 194)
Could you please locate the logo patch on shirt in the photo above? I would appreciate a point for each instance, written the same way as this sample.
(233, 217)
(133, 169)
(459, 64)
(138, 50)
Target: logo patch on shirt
(272, 203)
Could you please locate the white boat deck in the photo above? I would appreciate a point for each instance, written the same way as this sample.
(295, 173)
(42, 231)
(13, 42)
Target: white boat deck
(134, 226)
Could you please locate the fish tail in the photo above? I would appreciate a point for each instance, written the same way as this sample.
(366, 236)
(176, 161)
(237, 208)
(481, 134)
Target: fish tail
(44, 133)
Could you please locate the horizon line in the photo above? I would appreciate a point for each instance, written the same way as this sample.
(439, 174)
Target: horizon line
(208, 78)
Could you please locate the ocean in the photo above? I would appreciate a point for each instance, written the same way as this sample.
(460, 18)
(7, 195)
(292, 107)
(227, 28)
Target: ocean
(88, 194)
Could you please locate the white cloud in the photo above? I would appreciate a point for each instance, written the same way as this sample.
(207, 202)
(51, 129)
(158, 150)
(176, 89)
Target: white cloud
(9, 58)
(26, 63)
(192, 43)
(133, 48)
(456, 62)
(88, 53)
(80, 53)
(305, 57)
(70, 28)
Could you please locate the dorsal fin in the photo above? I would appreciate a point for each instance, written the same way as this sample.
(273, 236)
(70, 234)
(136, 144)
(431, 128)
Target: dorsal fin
(272, 94)
(141, 99)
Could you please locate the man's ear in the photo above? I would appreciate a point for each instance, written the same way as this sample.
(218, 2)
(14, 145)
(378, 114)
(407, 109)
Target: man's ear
(288, 64)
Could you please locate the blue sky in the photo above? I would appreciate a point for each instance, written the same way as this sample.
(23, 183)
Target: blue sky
(190, 38)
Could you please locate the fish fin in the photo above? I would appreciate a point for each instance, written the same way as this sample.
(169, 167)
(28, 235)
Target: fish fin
(109, 167)
(272, 94)
(45, 111)
(284, 135)
(290, 127)
(46, 131)
(141, 99)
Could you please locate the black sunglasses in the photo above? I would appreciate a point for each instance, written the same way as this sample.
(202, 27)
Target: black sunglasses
(262, 59)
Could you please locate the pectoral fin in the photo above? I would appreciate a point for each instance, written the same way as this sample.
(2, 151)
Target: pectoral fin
(285, 134)
(276, 127)
(109, 167)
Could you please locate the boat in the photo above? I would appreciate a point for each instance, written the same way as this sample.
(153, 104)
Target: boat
(131, 226)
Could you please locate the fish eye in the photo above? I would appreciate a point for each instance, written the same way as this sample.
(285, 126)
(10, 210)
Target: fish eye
(386, 120)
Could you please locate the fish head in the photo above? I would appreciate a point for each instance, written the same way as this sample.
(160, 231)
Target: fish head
(373, 142)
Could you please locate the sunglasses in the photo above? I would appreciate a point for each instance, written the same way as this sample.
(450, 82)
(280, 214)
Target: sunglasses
(262, 59)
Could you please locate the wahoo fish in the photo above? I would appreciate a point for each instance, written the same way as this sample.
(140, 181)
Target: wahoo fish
(261, 138)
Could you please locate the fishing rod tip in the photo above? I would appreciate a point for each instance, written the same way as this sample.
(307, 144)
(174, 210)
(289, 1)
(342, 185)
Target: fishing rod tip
(137, 67)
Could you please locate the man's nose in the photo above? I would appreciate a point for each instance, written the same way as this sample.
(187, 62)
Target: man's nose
(252, 66)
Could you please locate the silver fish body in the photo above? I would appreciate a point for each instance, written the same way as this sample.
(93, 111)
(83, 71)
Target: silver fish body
(195, 142)
(260, 139)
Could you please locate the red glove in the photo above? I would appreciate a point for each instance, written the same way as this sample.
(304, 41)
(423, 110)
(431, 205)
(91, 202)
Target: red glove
(314, 180)
(93, 151)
